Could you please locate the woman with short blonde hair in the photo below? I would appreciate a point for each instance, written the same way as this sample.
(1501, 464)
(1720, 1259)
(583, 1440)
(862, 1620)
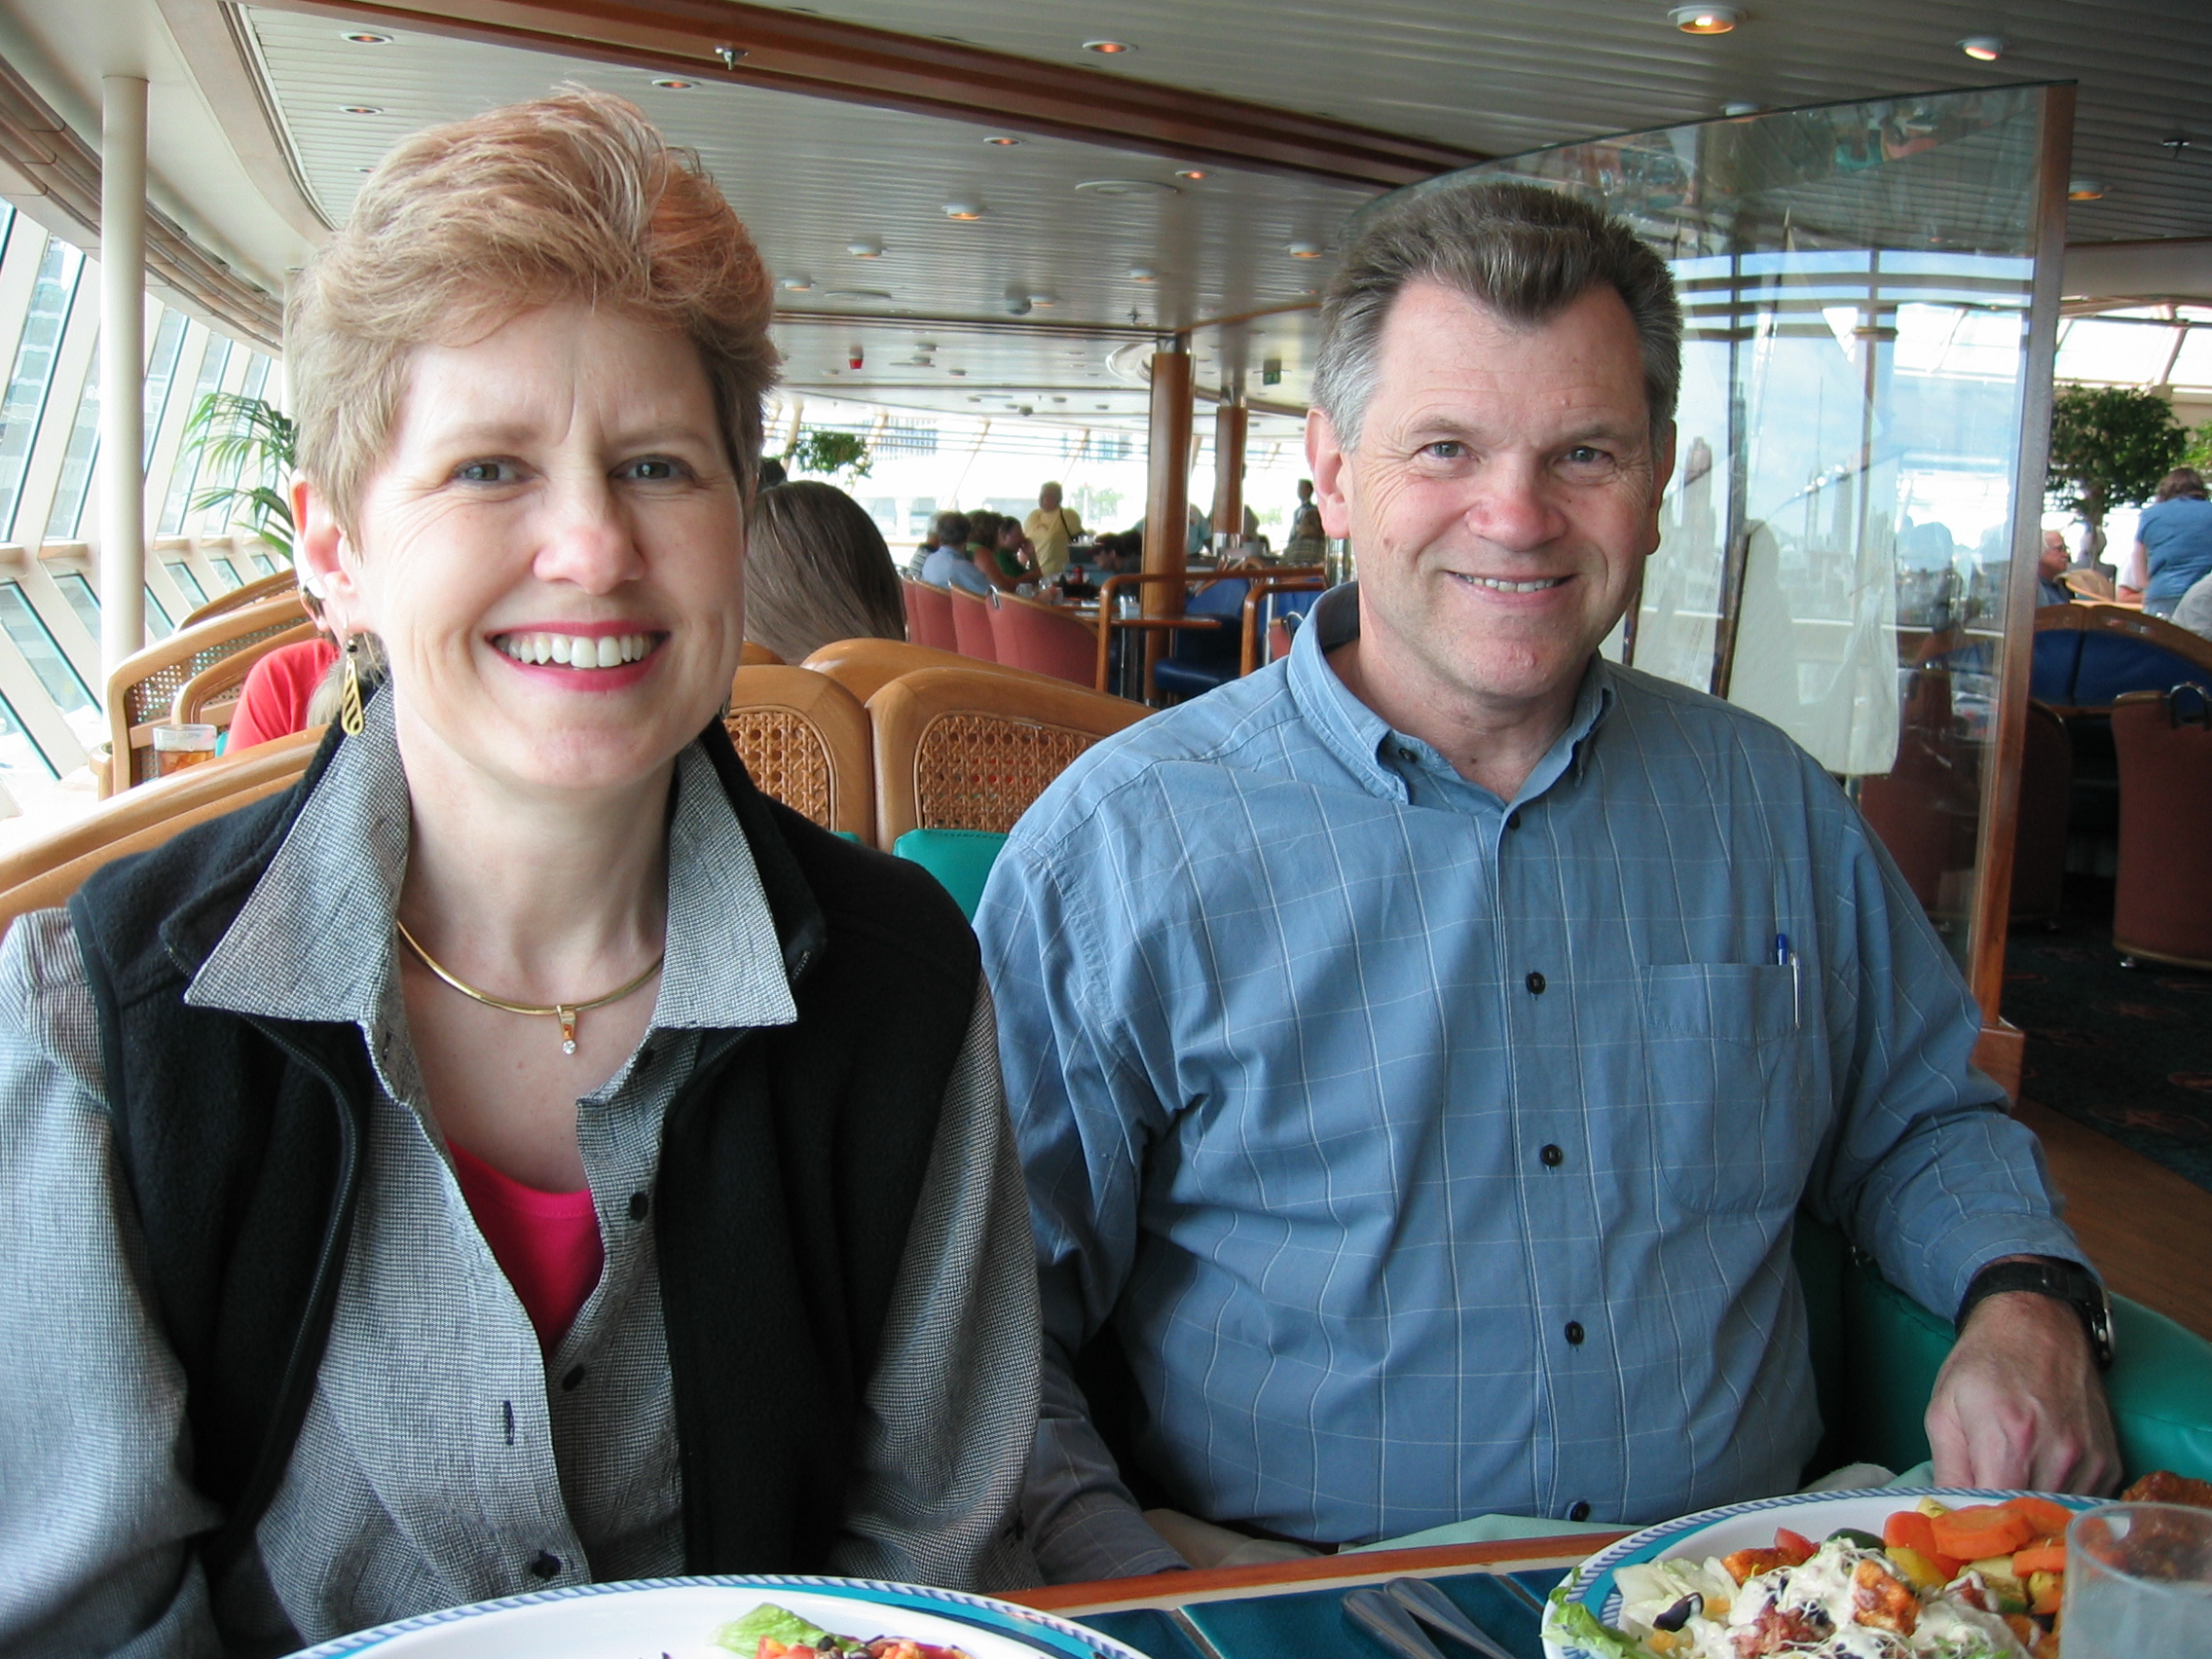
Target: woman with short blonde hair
(522, 1154)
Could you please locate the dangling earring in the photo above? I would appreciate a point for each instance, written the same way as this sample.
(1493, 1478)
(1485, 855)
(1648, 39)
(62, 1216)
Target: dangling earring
(350, 717)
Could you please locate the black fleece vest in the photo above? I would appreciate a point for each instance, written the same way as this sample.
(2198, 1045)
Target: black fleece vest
(789, 1173)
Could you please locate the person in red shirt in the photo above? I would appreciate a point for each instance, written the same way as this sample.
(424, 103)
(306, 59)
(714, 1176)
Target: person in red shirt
(278, 691)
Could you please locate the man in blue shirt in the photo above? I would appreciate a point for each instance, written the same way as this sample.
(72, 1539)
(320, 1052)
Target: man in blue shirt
(1421, 1048)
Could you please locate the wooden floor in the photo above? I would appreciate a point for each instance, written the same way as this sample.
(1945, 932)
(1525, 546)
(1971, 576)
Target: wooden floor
(2148, 1229)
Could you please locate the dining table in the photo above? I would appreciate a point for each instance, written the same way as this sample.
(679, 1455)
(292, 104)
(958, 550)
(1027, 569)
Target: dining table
(1297, 1607)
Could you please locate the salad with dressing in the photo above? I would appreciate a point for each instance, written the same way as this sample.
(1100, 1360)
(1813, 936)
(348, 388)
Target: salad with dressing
(770, 1632)
(1982, 1582)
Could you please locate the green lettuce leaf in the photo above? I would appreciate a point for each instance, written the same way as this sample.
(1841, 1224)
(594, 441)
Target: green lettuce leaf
(1573, 1622)
(743, 1636)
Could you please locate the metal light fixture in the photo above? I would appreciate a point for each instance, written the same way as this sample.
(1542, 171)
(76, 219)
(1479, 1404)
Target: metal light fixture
(795, 284)
(1190, 173)
(963, 207)
(359, 109)
(366, 37)
(1045, 300)
(1003, 140)
(1143, 273)
(865, 247)
(1304, 250)
(2084, 190)
(670, 84)
(1706, 20)
(1984, 49)
(1108, 47)
(1739, 109)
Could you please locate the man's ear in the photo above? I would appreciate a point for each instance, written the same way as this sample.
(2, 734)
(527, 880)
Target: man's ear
(1662, 473)
(1331, 467)
(320, 547)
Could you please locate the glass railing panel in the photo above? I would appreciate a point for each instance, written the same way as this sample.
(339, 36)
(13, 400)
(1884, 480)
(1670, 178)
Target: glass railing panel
(33, 376)
(60, 679)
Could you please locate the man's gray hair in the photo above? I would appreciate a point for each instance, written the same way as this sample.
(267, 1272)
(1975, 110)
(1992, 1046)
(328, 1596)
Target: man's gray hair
(1519, 250)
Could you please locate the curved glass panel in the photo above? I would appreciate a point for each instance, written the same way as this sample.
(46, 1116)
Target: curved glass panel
(1856, 281)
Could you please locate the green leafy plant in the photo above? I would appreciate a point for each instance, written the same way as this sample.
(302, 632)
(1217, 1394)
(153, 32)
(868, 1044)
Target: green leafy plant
(2196, 450)
(2109, 447)
(256, 445)
(827, 453)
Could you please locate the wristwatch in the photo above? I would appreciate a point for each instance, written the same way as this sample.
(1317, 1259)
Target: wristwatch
(2062, 1281)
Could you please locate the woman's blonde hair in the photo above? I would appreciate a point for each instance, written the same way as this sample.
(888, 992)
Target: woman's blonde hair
(816, 569)
(464, 226)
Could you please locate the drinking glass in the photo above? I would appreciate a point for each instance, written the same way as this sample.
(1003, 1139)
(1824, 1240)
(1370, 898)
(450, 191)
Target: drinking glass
(176, 747)
(2138, 1582)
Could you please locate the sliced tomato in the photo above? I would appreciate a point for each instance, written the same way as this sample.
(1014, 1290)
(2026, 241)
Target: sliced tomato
(1794, 1548)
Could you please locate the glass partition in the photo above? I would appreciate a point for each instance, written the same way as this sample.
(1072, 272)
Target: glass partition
(1863, 397)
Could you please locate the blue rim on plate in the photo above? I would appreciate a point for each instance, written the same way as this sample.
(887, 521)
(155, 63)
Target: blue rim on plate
(1059, 1638)
(1592, 1583)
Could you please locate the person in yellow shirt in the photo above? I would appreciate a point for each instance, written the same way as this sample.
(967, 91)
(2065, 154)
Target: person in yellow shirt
(1049, 529)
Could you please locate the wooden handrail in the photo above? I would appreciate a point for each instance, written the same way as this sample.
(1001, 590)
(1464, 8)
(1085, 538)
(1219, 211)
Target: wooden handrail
(1253, 600)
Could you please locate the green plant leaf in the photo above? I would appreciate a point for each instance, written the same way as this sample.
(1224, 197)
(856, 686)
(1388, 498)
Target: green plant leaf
(2109, 447)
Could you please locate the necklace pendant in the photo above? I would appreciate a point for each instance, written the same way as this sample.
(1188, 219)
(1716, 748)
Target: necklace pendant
(567, 1018)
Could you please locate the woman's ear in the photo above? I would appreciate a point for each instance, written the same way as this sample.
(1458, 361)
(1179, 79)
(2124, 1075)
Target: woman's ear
(320, 547)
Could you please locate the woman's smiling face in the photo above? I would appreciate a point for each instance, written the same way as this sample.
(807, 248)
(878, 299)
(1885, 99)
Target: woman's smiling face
(551, 551)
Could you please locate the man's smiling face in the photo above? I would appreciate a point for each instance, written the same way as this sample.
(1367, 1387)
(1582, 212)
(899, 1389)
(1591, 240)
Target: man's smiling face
(1503, 499)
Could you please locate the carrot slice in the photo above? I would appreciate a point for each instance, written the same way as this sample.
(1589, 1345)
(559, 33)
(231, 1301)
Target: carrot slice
(2045, 1555)
(2048, 1519)
(1982, 1530)
(1794, 1548)
(1911, 1530)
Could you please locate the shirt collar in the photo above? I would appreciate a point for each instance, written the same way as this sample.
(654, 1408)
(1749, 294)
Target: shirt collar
(315, 939)
(1363, 740)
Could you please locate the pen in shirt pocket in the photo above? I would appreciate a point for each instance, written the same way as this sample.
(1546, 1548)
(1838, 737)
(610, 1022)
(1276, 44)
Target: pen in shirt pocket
(1784, 957)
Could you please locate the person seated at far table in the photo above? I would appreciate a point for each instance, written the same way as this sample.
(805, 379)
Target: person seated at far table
(816, 569)
(2051, 564)
(1421, 1048)
(949, 564)
(1051, 529)
(522, 1154)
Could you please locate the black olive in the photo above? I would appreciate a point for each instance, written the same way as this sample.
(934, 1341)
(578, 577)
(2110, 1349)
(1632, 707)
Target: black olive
(1679, 1614)
(1853, 1537)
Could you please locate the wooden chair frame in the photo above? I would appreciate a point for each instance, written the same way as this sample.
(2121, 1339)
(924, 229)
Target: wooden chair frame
(47, 872)
(908, 711)
(866, 666)
(773, 708)
(1113, 586)
(1255, 599)
(200, 701)
(757, 655)
(144, 687)
(239, 597)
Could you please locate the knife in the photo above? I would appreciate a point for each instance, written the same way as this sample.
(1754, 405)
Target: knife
(1429, 1605)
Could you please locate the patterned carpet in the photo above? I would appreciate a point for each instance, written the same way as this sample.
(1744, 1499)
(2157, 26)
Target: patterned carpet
(2126, 1051)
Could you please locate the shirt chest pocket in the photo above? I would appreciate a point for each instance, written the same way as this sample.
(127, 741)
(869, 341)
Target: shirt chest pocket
(1734, 1118)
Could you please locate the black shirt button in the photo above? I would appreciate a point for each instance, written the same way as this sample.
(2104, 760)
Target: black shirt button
(639, 1205)
(1580, 1512)
(1574, 1332)
(546, 1566)
(575, 1380)
(1406, 754)
(1535, 985)
(1552, 1157)
(1513, 821)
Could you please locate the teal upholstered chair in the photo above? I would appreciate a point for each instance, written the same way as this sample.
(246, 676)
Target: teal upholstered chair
(1877, 1352)
(961, 859)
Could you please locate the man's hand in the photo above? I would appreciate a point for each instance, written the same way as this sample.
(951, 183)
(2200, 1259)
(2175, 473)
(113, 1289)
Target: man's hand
(2019, 1402)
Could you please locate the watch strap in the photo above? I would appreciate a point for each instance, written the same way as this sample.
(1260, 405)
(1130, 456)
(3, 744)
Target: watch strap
(2061, 1280)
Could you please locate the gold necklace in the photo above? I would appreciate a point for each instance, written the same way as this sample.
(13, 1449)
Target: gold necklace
(564, 1012)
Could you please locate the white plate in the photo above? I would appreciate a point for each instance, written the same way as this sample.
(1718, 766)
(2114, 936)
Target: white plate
(676, 1618)
(1752, 1525)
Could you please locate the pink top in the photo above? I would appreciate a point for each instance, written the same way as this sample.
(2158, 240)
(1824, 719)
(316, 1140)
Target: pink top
(274, 701)
(546, 1243)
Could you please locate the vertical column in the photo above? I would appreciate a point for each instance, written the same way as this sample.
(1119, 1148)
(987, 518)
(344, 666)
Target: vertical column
(1230, 422)
(123, 371)
(1167, 491)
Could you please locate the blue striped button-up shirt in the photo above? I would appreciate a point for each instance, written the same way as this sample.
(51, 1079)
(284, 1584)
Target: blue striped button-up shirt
(1434, 1155)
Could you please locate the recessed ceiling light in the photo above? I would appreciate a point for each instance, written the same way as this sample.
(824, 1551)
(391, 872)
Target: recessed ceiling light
(359, 109)
(1739, 109)
(671, 84)
(366, 37)
(1124, 187)
(857, 295)
(1045, 300)
(1108, 47)
(1002, 138)
(866, 248)
(961, 207)
(925, 347)
(956, 372)
(2085, 190)
(1304, 250)
(1704, 19)
(1143, 273)
(1190, 173)
(1984, 49)
(795, 284)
